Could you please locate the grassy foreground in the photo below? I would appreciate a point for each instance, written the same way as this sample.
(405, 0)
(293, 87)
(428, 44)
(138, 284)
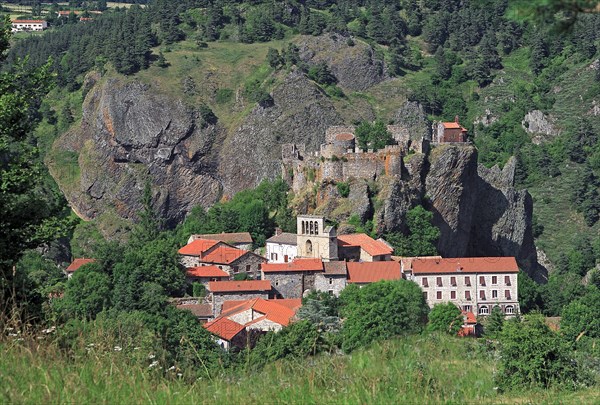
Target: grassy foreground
(417, 369)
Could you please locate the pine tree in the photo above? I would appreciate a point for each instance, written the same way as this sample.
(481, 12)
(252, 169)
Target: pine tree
(495, 322)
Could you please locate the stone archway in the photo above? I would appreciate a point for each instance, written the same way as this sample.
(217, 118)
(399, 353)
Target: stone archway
(309, 247)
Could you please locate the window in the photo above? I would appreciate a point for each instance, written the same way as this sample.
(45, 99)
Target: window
(425, 282)
(482, 294)
(494, 294)
(494, 280)
(453, 281)
(439, 282)
(509, 310)
(467, 295)
(276, 282)
(507, 280)
(330, 280)
(247, 268)
(452, 295)
(439, 295)
(484, 310)
(468, 281)
(425, 295)
(507, 294)
(308, 247)
(316, 228)
(235, 269)
(330, 292)
(467, 308)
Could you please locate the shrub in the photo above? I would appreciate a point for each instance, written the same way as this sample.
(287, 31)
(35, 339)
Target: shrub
(343, 188)
(198, 290)
(445, 318)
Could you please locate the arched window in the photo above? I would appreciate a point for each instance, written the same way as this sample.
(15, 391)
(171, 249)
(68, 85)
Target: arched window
(308, 247)
(484, 310)
(509, 310)
(316, 228)
(303, 228)
(312, 227)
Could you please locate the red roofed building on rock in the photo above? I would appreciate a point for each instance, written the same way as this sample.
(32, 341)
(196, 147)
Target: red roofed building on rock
(474, 284)
(446, 132)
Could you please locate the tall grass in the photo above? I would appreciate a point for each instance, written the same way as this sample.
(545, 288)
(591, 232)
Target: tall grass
(416, 369)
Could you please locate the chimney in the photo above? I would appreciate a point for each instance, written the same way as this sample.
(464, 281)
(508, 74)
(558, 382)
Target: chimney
(456, 119)
(278, 231)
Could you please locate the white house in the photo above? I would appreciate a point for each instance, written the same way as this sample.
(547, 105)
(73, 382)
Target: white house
(282, 247)
(28, 25)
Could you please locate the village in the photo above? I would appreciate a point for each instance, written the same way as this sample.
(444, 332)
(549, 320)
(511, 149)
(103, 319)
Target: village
(237, 291)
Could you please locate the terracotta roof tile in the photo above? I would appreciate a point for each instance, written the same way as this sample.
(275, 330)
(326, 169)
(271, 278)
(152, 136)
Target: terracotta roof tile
(197, 247)
(423, 265)
(370, 272)
(206, 271)
(235, 286)
(237, 237)
(291, 303)
(295, 265)
(273, 310)
(368, 244)
(224, 255)
(224, 328)
(77, 263)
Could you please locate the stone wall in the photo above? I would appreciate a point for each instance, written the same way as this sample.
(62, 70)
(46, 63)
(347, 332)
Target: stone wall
(248, 263)
(291, 284)
(325, 283)
(219, 298)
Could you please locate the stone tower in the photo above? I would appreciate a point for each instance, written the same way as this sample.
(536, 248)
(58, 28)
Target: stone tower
(314, 239)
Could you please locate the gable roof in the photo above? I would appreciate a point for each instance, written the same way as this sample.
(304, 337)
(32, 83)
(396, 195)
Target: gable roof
(271, 309)
(295, 265)
(77, 263)
(236, 237)
(197, 247)
(199, 310)
(371, 272)
(453, 125)
(423, 265)
(206, 271)
(291, 303)
(224, 255)
(239, 286)
(368, 244)
(224, 328)
(335, 268)
(284, 238)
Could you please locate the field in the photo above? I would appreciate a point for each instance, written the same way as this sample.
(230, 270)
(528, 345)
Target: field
(415, 369)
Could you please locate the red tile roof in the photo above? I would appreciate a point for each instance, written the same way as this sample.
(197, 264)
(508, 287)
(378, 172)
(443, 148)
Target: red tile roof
(77, 263)
(465, 265)
(206, 271)
(295, 265)
(224, 328)
(237, 237)
(291, 303)
(470, 318)
(233, 286)
(197, 247)
(368, 244)
(224, 255)
(273, 310)
(370, 272)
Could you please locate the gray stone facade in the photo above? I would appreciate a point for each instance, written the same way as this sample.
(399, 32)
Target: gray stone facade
(330, 283)
(291, 284)
(249, 263)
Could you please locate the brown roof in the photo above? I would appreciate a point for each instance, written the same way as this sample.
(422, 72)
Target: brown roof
(197, 247)
(224, 328)
(199, 310)
(295, 265)
(368, 244)
(285, 238)
(423, 265)
(370, 272)
(233, 238)
(335, 268)
(77, 263)
(239, 286)
(206, 271)
(344, 137)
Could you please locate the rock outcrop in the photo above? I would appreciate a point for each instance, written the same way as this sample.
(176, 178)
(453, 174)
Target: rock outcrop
(540, 126)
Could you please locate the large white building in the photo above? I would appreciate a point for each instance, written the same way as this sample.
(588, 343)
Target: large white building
(29, 25)
(282, 247)
(474, 284)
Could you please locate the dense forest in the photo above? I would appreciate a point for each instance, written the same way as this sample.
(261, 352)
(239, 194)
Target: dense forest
(124, 294)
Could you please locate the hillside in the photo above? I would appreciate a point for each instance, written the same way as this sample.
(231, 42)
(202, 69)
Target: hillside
(424, 369)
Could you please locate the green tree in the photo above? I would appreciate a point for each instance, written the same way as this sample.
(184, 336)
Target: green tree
(321, 309)
(445, 318)
(150, 223)
(530, 297)
(580, 317)
(422, 235)
(87, 293)
(494, 323)
(381, 310)
(274, 58)
(373, 135)
(533, 355)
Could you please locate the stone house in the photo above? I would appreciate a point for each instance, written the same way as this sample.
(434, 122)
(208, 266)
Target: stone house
(221, 291)
(333, 279)
(76, 264)
(293, 279)
(263, 315)
(240, 240)
(445, 132)
(234, 261)
(362, 273)
(202, 311)
(282, 247)
(361, 247)
(314, 239)
(229, 334)
(193, 253)
(474, 284)
(205, 274)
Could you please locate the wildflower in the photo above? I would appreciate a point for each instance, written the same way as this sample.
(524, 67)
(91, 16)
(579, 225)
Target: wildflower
(118, 348)
(151, 356)
(172, 368)
(153, 364)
